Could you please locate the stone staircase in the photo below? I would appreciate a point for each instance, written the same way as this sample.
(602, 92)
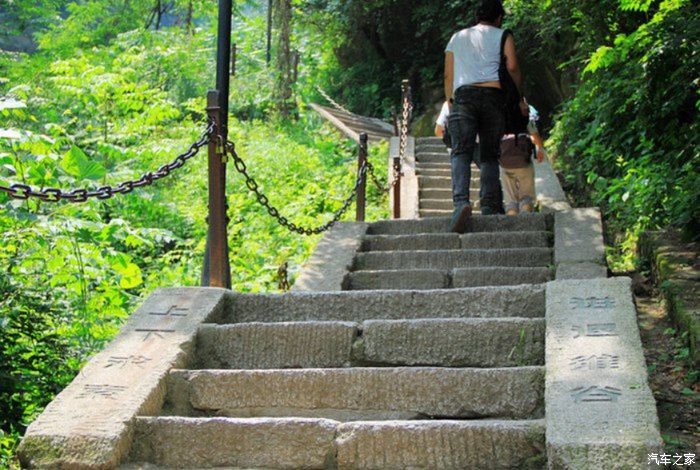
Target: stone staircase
(438, 379)
(435, 179)
(404, 346)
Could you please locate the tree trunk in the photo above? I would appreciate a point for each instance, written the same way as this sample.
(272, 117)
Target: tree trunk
(284, 66)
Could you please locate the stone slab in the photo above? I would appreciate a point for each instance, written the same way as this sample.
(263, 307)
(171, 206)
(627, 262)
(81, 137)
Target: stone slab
(452, 259)
(275, 345)
(600, 411)
(578, 236)
(362, 393)
(428, 241)
(479, 223)
(583, 270)
(550, 194)
(404, 279)
(87, 425)
(482, 302)
(524, 239)
(331, 259)
(440, 445)
(471, 277)
(473, 342)
(177, 442)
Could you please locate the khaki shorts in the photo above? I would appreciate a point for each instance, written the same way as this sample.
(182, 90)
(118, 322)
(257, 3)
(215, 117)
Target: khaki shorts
(518, 187)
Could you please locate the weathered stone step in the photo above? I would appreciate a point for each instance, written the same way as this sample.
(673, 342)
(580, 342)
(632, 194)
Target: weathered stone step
(439, 204)
(437, 166)
(276, 345)
(432, 157)
(178, 442)
(418, 279)
(493, 276)
(479, 302)
(454, 241)
(469, 342)
(479, 223)
(435, 213)
(276, 443)
(436, 193)
(452, 259)
(441, 182)
(472, 342)
(360, 393)
(424, 279)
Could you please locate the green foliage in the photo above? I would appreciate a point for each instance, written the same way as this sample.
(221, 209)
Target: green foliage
(105, 103)
(628, 140)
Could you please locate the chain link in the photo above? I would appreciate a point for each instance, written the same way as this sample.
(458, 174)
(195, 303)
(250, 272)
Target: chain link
(264, 201)
(332, 101)
(24, 192)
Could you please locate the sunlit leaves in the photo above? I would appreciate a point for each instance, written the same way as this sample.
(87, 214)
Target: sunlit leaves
(76, 163)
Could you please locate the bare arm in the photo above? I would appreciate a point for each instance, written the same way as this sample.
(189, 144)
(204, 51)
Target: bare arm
(512, 63)
(449, 75)
(539, 145)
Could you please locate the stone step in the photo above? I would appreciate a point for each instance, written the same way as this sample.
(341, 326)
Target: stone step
(477, 302)
(478, 223)
(350, 394)
(453, 259)
(436, 166)
(445, 183)
(472, 342)
(432, 148)
(453, 241)
(283, 345)
(437, 193)
(284, 443)
(431, 140)
(422, 279)
(434, 213)
(418, 279)
(440, 204)
(432, 157)
(473, 277)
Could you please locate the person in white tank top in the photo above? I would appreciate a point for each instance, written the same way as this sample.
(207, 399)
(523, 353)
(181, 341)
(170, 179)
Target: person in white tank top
(472, 87)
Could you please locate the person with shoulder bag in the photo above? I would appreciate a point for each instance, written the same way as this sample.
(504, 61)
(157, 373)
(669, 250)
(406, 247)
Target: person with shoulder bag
(477, 102)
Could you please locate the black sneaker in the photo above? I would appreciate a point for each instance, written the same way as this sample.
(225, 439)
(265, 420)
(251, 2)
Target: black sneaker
(460, 219)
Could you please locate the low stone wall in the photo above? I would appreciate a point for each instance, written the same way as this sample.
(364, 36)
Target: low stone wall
(409, 179)
(88, 425)
(600, 412)
(675, 268)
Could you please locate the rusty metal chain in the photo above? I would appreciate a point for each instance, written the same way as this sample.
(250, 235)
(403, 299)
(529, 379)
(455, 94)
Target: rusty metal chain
(332, 101)
(380, 186)
(253, 186)
(23, 191)
(407, 110)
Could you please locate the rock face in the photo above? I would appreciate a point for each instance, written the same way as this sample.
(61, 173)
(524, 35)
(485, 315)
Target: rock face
(408, 347)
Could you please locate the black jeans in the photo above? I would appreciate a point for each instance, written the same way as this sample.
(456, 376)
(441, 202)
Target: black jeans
(477, 111)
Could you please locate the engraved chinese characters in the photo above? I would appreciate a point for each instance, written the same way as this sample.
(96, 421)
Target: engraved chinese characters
(594, 393)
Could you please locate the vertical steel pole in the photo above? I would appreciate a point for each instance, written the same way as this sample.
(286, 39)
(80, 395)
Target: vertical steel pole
(217, 271)
(361, 189)
(234, 53)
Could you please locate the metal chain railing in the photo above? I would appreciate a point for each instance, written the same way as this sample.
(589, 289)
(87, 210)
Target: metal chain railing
(253, 186)
(23, 191)
(332, 101)
(403, 141)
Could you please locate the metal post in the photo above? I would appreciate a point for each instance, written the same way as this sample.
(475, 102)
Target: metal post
(216, 271)
(269, 31)
(361, 188)
(397, 188)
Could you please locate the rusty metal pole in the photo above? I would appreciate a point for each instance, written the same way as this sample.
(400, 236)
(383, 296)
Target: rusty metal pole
(216, 267)
(361, 188)
(217, 271)
(397, 188)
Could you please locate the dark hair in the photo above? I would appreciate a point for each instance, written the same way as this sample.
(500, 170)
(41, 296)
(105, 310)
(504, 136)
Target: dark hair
(489, 10)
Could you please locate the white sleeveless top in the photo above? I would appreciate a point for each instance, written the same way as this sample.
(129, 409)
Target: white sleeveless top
(477, 54)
